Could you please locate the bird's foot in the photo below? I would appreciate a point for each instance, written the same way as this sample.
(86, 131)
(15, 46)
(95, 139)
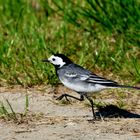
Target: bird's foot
(92, 120)
(62, 96)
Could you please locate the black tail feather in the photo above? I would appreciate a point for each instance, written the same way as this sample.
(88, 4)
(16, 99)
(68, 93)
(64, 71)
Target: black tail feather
(124, 86)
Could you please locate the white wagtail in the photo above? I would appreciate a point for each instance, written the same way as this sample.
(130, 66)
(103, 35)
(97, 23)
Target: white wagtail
(79, 79)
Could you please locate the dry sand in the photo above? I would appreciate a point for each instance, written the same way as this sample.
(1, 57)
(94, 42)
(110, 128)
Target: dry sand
(49, 119)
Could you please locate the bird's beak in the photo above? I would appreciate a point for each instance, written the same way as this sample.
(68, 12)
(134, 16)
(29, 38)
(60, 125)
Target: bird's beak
(45, 60)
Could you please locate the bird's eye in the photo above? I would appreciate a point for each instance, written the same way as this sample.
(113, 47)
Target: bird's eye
(53, 59)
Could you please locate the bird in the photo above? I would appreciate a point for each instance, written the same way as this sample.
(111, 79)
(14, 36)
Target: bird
(81, 80)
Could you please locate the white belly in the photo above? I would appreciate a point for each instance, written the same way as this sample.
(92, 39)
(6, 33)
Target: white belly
(82, 87)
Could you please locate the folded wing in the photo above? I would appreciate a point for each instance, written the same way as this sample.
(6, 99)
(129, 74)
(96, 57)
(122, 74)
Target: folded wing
(93, 78)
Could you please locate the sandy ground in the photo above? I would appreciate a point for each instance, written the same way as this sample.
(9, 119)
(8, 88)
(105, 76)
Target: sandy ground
(48, 119)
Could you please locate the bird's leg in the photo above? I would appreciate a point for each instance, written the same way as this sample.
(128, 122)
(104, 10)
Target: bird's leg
(67, 95)
(92, 105)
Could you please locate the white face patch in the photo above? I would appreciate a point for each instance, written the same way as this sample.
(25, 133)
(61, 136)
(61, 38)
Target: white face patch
(55, 60)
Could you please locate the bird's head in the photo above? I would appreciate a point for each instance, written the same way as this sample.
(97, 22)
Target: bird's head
(58, 60)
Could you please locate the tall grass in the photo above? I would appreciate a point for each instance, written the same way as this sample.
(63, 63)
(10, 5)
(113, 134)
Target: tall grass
(101, 35)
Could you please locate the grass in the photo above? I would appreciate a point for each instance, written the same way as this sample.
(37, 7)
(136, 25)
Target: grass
(7, 112)
(103, 36)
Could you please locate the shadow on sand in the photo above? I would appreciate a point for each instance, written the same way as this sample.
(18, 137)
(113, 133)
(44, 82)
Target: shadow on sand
(112, 111)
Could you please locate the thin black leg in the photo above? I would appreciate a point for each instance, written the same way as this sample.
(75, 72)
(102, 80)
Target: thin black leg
(67, 95)
(92, 105)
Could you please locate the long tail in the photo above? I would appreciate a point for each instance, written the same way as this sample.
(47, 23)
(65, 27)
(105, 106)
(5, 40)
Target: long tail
(124, 86)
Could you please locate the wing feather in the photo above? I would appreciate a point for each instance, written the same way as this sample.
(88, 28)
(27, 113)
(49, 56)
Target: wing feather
(71, 74)
(100, 80)
(86, 76)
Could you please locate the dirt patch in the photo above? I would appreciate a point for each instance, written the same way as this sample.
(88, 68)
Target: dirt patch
(49, 119)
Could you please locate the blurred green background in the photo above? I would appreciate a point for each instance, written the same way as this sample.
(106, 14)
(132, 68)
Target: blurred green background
(101, 35)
